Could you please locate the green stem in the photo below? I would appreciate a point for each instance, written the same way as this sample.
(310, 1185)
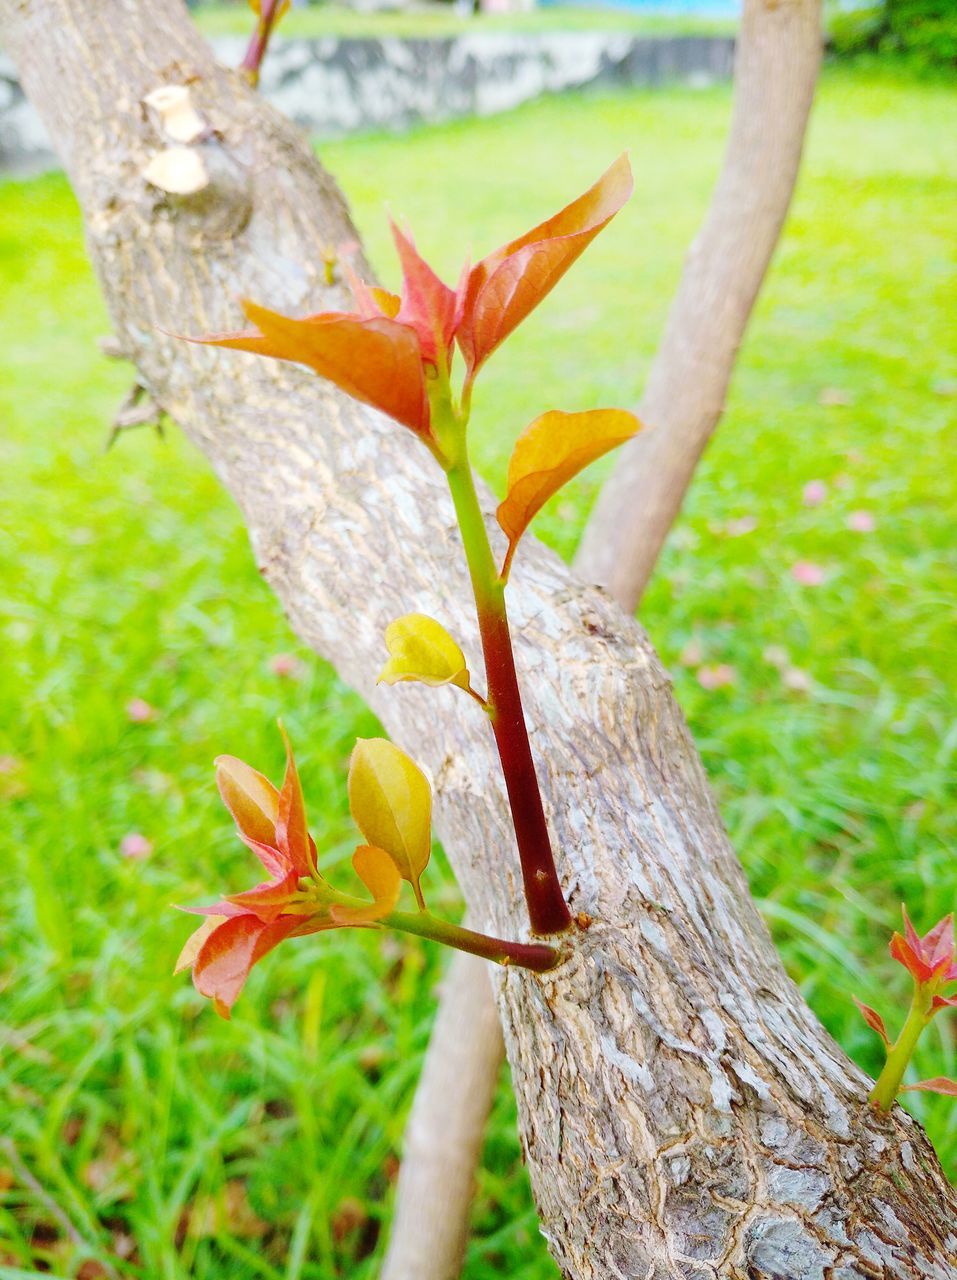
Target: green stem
(547, 908)
(899, 1055)
(537, 956)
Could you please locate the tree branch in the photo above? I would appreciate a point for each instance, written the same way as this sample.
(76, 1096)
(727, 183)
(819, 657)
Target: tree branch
(681, 1109)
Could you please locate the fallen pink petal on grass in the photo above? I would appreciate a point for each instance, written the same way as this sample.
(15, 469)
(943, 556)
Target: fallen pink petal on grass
(138, 711)
(717, 677)
(286, 666)
(807, 573)
(136, 845)
(814, 493)
(861, 522)
(743, 525)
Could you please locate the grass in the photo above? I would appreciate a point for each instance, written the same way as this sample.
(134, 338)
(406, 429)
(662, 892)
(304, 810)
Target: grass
(140, 1130)
(433, 21)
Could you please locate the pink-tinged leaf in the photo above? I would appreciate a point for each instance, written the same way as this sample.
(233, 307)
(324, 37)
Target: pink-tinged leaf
(375, 360)
(270, 899)
(943, 1002)
(221, 908)
(224, 960)
(507, 285)
(292, 835)
(381, 877)
(937, 1084)
(194, 942)
(428, 304)
(873, 1020)
(250, 798)
(273, 861)
(549, 452)
(913, 937)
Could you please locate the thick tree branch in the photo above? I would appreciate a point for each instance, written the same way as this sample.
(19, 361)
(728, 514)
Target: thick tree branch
(777, 60)
(687, 386)
(682, 1111)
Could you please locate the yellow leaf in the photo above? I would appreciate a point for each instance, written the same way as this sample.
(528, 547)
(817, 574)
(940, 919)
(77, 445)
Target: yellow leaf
(548, 453)
(381, 877)
(391, 802)
(421, 649)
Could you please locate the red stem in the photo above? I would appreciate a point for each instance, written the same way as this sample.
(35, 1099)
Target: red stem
(548, 910)
(259, 42)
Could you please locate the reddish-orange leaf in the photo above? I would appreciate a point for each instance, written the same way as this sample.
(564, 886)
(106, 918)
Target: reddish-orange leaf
(944, 1002)
(375, 360)
(504, 287)
(904, 954)
(548, 453)
(250, 798)
(292, 835)
(381, 877)
(428, 305)
(268, 900)
(873, 1020)
(937, 1084)
(222, 966)
(193, 944)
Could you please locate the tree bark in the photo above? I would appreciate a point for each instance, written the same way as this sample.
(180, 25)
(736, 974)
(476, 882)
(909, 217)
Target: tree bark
(621, 545)
(682, 1111)
(779, 52)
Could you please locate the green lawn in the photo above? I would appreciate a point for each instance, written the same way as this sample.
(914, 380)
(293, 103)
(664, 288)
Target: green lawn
(441, 20)
(185, 1146)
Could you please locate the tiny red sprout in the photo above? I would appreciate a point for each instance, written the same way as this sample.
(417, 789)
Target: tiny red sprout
(243, 927)
(930, 958)
(873, 1020)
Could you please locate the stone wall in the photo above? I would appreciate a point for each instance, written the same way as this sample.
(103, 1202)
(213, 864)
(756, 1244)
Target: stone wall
(334, 86)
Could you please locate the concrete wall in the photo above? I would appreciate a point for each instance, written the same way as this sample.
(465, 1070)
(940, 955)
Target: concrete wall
(334, 86)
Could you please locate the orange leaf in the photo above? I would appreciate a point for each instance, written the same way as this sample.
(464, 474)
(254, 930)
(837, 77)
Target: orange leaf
(428, 305)
(194, 942)
(381, 877)
(222, 966)
(938, 1084)
(250, 798)
(375, 360)
(504, 287)
(292, 835)
(549, 452)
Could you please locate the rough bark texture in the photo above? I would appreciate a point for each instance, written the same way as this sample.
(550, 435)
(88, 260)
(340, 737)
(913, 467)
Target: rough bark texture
(779, 51)
(446, 1129)
(682, 1111)
(685, 399)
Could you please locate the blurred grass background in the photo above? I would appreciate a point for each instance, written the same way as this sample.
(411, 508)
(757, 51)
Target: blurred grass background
(141, 1133)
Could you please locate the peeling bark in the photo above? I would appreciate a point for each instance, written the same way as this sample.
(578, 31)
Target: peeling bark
(683, 1112)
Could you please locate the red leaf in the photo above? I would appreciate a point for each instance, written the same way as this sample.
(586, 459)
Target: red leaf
(507, 285)
(944, 1002)
(938, 1084)
(376, 360)
(428, 304)
(222, 966)
(873, 1020)
(292, 835)
(904, 954)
